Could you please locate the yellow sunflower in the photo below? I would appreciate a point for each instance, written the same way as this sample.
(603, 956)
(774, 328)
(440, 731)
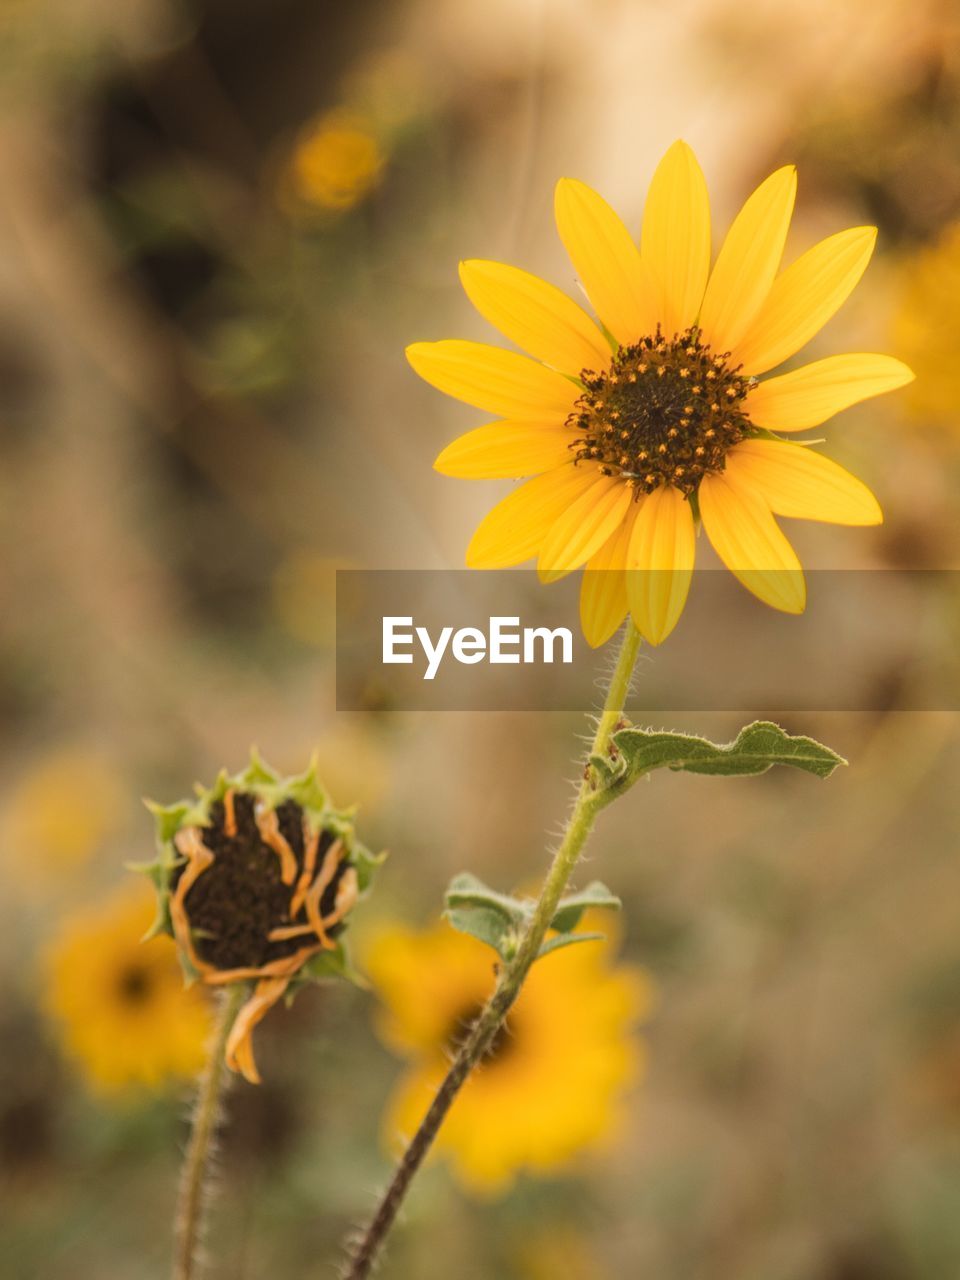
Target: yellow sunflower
(337, 162)
(925, 322)
(120, 1008)
(641, 424)
(555, 1082)
(60, 812)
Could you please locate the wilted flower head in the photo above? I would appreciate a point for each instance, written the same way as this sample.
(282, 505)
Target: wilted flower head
(255, 879)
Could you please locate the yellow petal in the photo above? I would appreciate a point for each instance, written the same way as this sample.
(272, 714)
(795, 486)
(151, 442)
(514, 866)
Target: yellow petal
(748, 540)
(606, 261)
(584, 527)
(238, 1053)
(808, 396)
(660, 562)
(748, 262)
(536, 316)
(499, 381)
(603, 588)
(516, 527)
(675, 243)
(505, 450)
(796, 481)
(803, 298)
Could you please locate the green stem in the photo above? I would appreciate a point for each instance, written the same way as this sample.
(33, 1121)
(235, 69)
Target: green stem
(193, 1195)
(587, 805)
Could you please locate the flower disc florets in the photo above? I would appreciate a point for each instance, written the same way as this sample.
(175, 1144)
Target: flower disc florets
(255, 880)
(666, 411)
(258, 886)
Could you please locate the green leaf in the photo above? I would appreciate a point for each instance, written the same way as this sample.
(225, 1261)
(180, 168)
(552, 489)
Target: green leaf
(308, 791)
(366, 863)
(607, 770)
(329, 964)
(465, 890)
(487, 926)
(257, 773)
(169, 818)
(570, 909)
(757, 748)
(567, 940)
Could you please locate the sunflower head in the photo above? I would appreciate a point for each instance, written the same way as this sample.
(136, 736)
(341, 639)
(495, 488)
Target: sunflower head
(656, 416)
(662, 412)
(553, 1086)
(255, 879)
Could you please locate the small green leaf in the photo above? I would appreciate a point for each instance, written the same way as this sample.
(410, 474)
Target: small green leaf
(257, 773)
(308, 790)
(570, 909)
(757, 748)
(606, 771)
(487, 926)
(366, 863)
(169, 818)
(161, 923)
(465, 890)
(567, 940)
(329, 964)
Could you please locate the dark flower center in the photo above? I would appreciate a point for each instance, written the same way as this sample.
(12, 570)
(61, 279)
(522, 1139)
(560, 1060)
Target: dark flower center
(243, 896)
(666, 411)
(462, 1025)
(134, 984)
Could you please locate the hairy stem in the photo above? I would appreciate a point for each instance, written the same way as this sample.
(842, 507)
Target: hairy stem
(483, 1032)
(193, 1195)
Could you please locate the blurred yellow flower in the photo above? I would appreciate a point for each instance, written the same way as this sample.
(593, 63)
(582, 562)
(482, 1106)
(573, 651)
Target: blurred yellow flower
(121, 1009)
(337, 161)
(304, 590)
(925, 324)
(557, 1252)
(641, 424)
(554, 1085)
(60, 812)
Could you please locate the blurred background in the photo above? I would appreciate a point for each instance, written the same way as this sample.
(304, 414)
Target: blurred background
(220, 223)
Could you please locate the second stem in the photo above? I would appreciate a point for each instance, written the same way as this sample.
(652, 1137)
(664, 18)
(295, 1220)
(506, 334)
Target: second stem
(483, 1033)
(195, 1175)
